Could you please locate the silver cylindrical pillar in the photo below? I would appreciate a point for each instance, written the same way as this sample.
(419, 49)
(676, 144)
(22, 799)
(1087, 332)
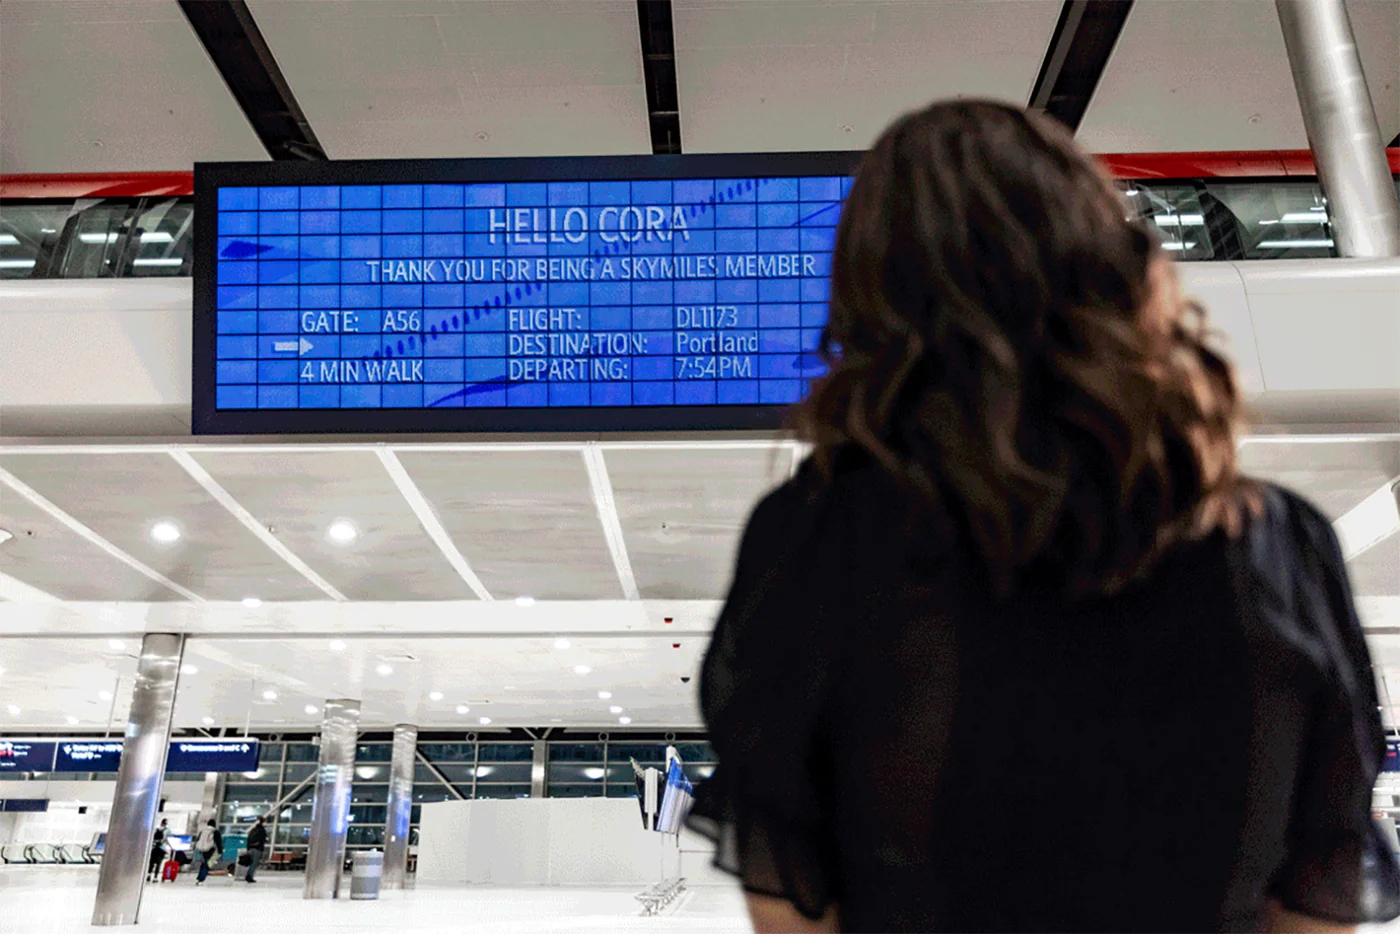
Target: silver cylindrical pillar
(400, 806)
(330, 814)
(139, 777)
(1341, 125)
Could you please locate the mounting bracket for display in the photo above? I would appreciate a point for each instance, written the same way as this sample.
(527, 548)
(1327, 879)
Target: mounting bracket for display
(1079, 51)
(659, 72)
(230, 35)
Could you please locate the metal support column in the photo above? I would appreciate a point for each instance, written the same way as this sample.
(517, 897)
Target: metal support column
(330, 814)
(539, 763)
(1341, 125)
(137, 796)
(400, 810)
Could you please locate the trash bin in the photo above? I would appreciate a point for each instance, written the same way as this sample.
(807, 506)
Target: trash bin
(365, 874)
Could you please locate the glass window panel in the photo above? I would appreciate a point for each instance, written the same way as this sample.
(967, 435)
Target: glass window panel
(366, 835)
(507, 752)
(28, 235)
(303, 752)
(369, 793)
(644, 753)
(96, 239)
(368, 813)
(271, 752)
(241, 813)
(622, 791)
(415, 814)
(575, 752)
(295, 814)
(698, 772)
(292, 834)
(162, 239)
(1278, 220)
(502, 791)
(448, 752)
(1175, 214)
(184, 776)
(503, 772)
(244, 793)
(372, 773)
(574, 791)
(696, 752)
(457, 771)
(569, 772)
(294, 773)
(374, 752)
(429, 793)
(262, 774)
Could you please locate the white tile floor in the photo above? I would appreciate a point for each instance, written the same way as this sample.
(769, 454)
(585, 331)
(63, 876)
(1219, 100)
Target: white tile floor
(57, 900)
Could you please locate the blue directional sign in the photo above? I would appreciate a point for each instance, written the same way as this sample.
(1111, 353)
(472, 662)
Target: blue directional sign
(25, 755)
(25, 805)
(75, 755)
(588, 294)
(213, 755)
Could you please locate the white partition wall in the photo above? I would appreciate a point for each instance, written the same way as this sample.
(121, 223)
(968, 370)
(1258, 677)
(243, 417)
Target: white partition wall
(546, 841)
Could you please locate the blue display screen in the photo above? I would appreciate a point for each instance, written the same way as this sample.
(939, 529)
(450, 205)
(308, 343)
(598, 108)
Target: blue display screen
(239, 755)
(571, 295)
(22, 755)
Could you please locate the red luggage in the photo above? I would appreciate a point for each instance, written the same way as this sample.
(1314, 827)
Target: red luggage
(169, 871)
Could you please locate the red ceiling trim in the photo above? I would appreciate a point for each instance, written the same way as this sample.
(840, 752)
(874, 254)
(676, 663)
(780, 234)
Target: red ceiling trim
(1136, 165)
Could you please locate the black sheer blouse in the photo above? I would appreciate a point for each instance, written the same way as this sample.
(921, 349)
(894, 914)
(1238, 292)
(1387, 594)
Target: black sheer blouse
(894, 742)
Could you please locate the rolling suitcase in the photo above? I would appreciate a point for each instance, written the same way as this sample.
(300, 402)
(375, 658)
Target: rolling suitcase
(169, 871)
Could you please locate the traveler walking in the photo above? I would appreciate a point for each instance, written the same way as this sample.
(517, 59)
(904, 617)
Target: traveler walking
(157, 851)
(207, 846)
(257, 844)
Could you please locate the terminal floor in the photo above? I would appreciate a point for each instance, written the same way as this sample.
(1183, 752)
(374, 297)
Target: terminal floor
(59, 899)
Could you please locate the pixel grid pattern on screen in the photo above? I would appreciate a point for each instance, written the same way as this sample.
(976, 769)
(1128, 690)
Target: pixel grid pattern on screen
(681, 292)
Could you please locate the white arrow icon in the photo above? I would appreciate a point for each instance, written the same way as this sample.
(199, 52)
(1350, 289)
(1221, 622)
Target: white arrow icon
(297, 347)
(244, 747)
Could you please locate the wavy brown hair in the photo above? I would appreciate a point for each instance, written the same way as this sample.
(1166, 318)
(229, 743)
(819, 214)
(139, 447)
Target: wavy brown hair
(1003, 339)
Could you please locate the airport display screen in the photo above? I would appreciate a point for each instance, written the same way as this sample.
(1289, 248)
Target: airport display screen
(627, 293)
(239, 755)
(1392, 756)
(23, 755)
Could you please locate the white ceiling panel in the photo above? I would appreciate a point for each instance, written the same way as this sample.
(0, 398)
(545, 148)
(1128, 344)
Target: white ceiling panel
(526, 522)
(1188, 75)
(121, 497)
(682, 513)
(515, 78)
(782, 75)
(111, 86)
(299, 494)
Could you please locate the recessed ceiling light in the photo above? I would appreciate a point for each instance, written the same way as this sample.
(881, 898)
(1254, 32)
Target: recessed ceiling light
(485, 721)
(383, 670)
(252, 602)
(463, 708)
(189, 670)
(337, 646)
(208, 721)
(614, 709)
(72, 720)
(269, 694)
(14, 710)
(524, 601)
(562, 643)
(105, 695)
(165, 532)
(435, 696)
(116, 645)
(342, 532)
(624, 720)
(605, 695)
(582, 669)
(312, 709)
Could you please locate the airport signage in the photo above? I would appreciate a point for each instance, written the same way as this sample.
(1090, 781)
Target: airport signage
(612, 293)
(1392, 756)
(26, 755)
(24, 805)
(88, 755)
(222, 755)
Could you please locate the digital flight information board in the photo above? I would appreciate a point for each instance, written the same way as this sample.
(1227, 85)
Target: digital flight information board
(569, 294)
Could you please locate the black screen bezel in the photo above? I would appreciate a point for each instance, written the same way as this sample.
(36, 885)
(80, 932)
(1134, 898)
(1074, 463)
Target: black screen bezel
(209, 177)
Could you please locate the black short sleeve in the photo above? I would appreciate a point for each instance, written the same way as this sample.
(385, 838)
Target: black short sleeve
(1338, 867)
(764, 679)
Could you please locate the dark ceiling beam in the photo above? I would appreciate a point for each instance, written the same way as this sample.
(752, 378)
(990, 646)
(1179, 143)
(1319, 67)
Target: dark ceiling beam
(236, 45)
(659, 72)
(1079, 51)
